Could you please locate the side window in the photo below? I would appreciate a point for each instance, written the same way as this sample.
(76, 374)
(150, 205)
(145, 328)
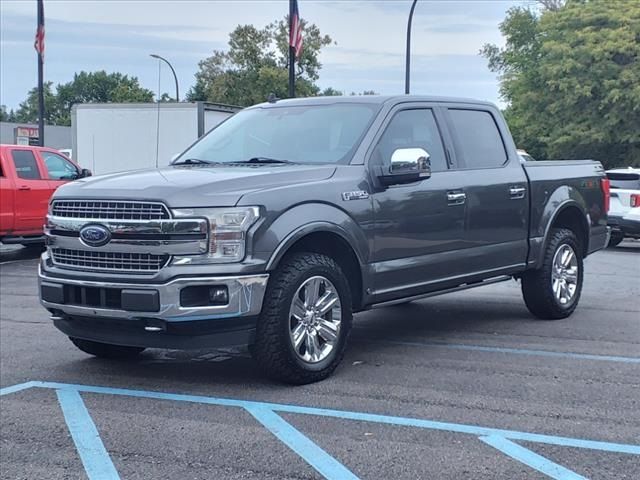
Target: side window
(477, 139)
(59, 168)
(412, 129)
(25, 164)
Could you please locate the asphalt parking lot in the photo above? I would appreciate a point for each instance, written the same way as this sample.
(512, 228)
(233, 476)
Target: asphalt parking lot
(463, 386)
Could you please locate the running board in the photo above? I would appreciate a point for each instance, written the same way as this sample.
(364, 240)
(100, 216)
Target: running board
(459, 288)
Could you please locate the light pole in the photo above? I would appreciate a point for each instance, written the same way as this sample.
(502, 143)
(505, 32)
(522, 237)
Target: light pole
(175, 77)
(407, 72)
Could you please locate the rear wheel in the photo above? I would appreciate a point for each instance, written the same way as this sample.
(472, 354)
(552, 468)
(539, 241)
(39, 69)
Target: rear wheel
(106, 350)
(553, 291)
(306, 318)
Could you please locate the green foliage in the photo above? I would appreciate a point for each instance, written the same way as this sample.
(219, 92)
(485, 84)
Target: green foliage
(7, 116)
(86, 87)
(28, 110)
(571, 77)
(256, 65)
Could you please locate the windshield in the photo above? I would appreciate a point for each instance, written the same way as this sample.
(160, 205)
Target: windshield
(300, 134)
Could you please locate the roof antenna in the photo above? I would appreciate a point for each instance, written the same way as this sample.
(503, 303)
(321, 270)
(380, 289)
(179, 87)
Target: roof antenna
(272, 98)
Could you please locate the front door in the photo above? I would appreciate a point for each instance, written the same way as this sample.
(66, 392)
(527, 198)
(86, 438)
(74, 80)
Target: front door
(32, 192)
(59, 169)
(418, 227)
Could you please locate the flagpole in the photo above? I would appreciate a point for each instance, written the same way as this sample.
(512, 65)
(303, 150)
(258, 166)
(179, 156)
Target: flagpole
(292, 55)
(41, 112)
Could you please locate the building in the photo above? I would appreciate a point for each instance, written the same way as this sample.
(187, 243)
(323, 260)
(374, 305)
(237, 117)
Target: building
(58, 137)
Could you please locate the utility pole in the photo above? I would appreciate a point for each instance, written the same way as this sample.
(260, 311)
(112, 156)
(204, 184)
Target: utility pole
(39, 46)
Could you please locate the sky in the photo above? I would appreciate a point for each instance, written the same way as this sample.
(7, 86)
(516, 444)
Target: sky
(119, 35)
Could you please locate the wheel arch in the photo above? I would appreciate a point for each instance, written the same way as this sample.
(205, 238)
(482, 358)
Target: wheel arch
(331, 240)
(571, 215)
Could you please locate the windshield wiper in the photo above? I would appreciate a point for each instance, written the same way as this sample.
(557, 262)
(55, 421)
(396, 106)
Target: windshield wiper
(263, 160)
(193, 161)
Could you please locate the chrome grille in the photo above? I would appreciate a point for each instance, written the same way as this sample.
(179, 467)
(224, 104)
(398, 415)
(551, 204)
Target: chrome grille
(109, 210)
(108, 261)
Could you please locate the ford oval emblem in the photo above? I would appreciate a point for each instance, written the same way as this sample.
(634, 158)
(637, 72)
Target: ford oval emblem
(95, 235)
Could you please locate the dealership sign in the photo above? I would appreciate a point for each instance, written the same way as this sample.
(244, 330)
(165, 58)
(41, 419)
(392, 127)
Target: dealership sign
(26, 135)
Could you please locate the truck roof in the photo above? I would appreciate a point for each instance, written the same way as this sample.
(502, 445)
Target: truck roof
(370, 99)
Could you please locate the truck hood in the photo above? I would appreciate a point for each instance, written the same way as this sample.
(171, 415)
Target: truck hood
(194, 185)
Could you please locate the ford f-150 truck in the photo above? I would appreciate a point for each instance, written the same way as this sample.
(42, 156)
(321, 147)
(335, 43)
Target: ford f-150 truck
(279, 224)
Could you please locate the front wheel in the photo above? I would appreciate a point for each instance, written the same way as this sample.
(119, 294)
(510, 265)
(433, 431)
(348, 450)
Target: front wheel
(106, 350)
(553, 291)
(306, 318)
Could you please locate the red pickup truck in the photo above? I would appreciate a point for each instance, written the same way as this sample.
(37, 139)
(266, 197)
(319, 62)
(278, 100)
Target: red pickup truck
(28, 177)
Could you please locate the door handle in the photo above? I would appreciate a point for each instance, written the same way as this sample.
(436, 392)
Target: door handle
(456, 198)
(516, 192)
(24, 187)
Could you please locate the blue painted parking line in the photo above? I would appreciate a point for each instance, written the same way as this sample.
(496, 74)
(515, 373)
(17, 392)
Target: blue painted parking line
(94, 456)
(533, 460)
(515, 351)
(316, 457)
(17, 388)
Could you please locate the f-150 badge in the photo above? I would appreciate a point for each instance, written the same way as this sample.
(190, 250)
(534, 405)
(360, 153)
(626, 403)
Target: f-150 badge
(356, 195)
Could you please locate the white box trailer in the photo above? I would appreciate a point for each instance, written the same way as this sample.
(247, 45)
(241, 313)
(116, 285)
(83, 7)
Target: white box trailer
(115, 137)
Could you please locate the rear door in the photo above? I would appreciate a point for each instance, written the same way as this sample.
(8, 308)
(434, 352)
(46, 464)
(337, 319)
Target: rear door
(496, 189)
(32, 191)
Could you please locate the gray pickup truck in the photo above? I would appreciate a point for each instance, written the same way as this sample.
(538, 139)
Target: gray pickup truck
(279, 224)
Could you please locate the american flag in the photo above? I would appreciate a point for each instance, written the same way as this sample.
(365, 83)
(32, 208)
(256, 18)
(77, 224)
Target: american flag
(295, 30)
(39, 42)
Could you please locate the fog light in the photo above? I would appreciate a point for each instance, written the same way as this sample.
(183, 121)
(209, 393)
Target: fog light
(218, 295)
(204, 296)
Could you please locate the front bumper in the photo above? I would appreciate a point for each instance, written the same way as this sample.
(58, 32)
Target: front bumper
(151, 315)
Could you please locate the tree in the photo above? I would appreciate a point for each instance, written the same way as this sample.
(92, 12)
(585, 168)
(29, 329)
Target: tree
(7, 116)
(98, 87)
(571, 78)
(86, 87)
(28, 110)
(255, 65)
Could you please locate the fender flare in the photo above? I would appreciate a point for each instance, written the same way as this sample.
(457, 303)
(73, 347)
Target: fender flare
(303, 231)
(563, 206)
(286, 230)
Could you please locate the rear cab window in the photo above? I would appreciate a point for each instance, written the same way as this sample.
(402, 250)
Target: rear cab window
(25, 164)
(477, 139)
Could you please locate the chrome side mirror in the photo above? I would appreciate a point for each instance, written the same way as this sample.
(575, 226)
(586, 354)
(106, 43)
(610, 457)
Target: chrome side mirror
(408, 165)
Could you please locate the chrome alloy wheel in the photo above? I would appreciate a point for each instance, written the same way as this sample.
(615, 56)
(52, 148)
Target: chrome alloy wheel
(314, 319)
(564, 274)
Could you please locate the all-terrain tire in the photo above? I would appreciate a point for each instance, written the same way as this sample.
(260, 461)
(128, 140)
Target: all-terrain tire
(273, 349)
(537, 285)
(105, 350)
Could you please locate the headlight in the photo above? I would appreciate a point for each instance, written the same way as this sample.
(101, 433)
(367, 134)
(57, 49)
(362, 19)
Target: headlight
(227, 233)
